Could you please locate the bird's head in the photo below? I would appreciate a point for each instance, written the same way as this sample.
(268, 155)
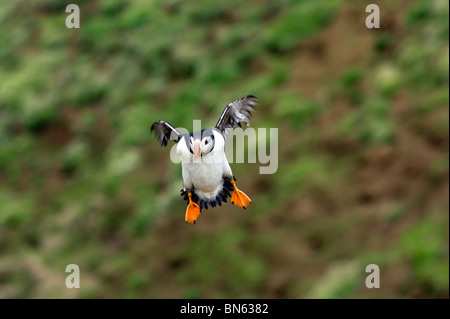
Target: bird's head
(203, 145)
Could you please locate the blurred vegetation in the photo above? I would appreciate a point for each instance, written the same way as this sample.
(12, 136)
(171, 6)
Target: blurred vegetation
(363, 118)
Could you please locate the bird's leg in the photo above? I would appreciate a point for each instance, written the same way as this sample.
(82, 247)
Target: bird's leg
(239, 198)
(192, 211)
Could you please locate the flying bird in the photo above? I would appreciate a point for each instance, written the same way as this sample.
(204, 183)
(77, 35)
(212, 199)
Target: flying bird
(207, 175)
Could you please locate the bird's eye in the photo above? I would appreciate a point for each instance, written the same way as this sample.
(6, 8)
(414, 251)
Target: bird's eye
(206, 142)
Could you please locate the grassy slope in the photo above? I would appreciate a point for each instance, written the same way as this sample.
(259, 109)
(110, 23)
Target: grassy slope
(363, 153)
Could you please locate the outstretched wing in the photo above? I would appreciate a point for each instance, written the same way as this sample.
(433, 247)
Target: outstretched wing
(236, 112)
(165, 131)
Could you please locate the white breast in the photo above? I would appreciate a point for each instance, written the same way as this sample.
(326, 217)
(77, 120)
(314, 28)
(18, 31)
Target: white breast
(205, 174)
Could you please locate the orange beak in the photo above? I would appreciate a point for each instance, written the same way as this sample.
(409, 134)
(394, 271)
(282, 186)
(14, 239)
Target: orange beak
(196, 149)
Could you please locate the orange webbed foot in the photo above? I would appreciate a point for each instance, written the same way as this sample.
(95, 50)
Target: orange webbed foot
(192, 211)
(239, 198)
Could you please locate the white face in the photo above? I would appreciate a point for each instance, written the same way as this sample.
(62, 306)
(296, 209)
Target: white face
(203, 147)
(207, 145)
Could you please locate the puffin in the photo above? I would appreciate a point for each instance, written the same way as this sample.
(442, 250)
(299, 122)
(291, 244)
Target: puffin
(207, 175)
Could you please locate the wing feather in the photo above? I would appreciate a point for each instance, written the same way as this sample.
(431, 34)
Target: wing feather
(165, 131)
(236, 112)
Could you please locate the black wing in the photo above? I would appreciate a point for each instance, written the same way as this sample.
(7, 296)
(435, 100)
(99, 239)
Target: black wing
(236, 112)
(165, 131)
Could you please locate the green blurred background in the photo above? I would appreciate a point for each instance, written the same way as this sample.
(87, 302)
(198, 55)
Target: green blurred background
(363, 177)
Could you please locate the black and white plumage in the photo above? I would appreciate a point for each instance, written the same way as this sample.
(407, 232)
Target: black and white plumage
(204, 176)
(207, 175)
(165, 131)
(236, 112)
